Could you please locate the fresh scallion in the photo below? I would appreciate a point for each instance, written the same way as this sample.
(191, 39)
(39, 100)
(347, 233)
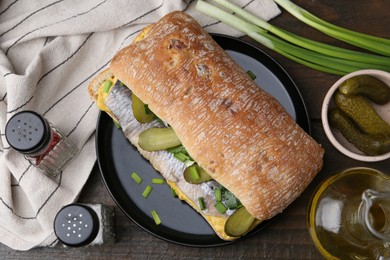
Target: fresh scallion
(147, 191)
(310, 53)
(157, 181)
(156, 217)
(202, 205)
(368, 42)
(220, 207)
(136, 177)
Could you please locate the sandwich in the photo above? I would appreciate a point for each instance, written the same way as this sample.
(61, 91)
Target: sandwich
(227, 148)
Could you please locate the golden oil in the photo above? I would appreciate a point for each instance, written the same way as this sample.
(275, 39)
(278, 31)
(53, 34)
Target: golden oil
(349, 215)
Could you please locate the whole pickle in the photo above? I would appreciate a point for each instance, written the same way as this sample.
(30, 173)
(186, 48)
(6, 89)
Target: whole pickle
(368, 86)
(370, 145)
(363, 113)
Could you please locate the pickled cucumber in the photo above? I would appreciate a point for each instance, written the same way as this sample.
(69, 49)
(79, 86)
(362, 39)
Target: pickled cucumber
(370, 145)
(239, 223)
(156, 139)
(362, 112)
(368, 86)
(139, 110)
(199, 176)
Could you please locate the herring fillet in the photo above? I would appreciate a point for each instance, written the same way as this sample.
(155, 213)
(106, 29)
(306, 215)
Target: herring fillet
(119, 102)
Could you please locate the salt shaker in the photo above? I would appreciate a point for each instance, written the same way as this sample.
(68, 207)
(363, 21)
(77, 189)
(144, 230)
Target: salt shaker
(78, 225)
(41, 143)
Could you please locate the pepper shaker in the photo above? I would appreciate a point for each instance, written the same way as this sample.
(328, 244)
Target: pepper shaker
(77, 225)
(41, 143)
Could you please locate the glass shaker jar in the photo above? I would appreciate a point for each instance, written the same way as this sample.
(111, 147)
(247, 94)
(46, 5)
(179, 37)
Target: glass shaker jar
(42, 144)
(77, 225)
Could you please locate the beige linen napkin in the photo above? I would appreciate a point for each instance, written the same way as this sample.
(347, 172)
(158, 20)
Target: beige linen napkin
(49, 52)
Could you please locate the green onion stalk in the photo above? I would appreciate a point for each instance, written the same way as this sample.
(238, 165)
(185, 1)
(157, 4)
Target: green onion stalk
(316, 55)
(372, 43)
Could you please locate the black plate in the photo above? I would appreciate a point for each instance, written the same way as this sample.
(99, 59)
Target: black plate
(117, 159)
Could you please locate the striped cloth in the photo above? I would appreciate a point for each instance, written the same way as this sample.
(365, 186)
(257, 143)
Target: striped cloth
(49, 52)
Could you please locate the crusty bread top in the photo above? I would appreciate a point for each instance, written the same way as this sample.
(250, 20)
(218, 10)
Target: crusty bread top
(237, 132)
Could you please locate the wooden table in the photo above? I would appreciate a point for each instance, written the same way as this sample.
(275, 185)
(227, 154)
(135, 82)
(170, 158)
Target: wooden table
(286, 237)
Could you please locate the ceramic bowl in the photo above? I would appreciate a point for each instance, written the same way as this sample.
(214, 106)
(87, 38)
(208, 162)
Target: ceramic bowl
(335, 137)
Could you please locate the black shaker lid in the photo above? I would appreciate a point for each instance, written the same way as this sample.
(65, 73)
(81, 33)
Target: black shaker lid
(27, 132)
(76, 225)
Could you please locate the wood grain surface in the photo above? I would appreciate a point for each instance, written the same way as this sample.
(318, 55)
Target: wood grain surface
(286, 237)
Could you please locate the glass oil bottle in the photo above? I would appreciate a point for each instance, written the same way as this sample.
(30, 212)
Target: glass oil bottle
(349, 215)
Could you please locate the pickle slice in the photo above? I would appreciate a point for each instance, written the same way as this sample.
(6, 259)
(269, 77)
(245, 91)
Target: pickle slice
(239, 223)
(156, 139)
(139, 110)
(195, 174)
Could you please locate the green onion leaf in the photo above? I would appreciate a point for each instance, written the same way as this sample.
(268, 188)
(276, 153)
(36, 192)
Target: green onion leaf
(251, 74)
(157, 181)
(368, 42)
(156, 217)
(218, 195)
(202, 205)
(220, 207)
(147, 110)
(107, 86)
(181, 157)
(316, 55)
(174, 194)
(147, 191)
(117, 125)
(136, 177)
(194, 172)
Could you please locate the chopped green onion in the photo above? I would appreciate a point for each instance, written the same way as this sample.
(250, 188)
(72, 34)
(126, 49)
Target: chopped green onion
(156, 217)
(202, 205)
(136, 177)
(181, 157)
(107, 86)
(174, 194)
(310, 53)
(251, 74)
(194, 172)
(147, 110)
(117, 125)
(147, 191)
(218, 195)
(220, 207)
(177, 149)
(157, 181)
